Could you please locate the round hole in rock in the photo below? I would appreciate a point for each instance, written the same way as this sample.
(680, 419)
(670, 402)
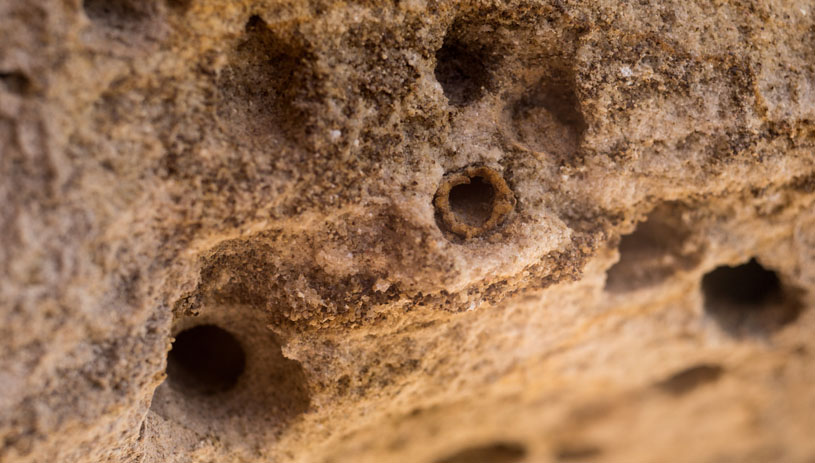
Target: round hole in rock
(473, 201)
(264, 86)
(461, 71)
(749, 285)
(270, 391)
(748, 299)
(205, 359)
(547, 118)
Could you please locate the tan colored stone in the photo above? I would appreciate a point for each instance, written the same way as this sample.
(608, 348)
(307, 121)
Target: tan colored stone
(270, 170)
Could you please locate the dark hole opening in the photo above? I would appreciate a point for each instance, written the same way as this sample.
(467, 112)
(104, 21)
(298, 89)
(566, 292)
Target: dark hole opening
(266, 88)
(659, 247)
(461, 71)
(562, 101)
(255, 24)
(749, 285)
(748, 298)
(205, 359)
(472, 202)
(118, 13)
(502, 452)
(548, 119)
(16, 82)
(181, 5)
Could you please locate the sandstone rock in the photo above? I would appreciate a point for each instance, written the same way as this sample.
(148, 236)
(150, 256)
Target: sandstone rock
(420, 231)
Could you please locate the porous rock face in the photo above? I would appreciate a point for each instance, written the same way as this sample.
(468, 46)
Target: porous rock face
(407, 231)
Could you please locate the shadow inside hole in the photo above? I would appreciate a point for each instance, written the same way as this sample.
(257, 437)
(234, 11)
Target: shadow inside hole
(180, 5)
(749, 299)
(226, 373)
(655, 251)
(499, 452)
(16, 82)
(472, 202)
(267, 83)
(462, 71)
(547, 118)
(119, 13)
(205, 359)
(691, 378)
(749, 285)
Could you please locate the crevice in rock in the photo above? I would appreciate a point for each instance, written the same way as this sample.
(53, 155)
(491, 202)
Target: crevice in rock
(577, 452)
(499, 452)
(689, 379)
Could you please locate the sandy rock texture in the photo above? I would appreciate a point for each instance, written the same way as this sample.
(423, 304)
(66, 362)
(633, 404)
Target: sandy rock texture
(420, 231)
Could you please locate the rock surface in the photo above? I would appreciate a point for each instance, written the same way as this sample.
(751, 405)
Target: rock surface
(407, 231)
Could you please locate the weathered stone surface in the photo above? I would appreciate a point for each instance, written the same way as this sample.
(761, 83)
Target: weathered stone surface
(628, 275)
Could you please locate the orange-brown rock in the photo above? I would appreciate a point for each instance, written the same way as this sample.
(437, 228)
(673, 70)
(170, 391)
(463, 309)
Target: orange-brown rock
(425, 231)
